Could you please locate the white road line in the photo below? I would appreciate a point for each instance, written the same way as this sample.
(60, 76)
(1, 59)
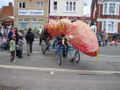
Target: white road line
(118, 56)
(39, 52)
(35, 52)
(59, 70)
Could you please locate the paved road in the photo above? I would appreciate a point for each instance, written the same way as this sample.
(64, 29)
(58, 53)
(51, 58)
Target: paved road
(45, 80)
(109, 59)
(41, 72)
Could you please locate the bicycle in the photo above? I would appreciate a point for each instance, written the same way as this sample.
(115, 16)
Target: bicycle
(59, 53)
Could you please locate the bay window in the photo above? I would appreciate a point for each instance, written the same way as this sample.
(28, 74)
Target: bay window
(110, 26)
(110, 8)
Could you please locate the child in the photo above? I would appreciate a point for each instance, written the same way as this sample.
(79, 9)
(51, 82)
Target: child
(20, 46)
(114, 39)
(12, 49)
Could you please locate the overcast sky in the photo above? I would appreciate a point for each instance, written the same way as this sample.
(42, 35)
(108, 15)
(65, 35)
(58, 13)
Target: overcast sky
(4, 2)
(86, 7)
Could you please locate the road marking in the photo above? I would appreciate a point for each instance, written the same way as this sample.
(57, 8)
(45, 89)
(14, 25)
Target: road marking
(35, 52)
(117, 56)
(39, 52)
(110, 56)
(83, 72)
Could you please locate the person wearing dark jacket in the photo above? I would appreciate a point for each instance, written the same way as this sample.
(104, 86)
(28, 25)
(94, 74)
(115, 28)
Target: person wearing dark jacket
(46, 37)
(10, 34)
(29, 39)
(16, 35)
(1, 35)
(20, 46)
(17, 39)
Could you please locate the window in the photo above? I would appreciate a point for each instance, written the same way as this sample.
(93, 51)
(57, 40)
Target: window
(21, 19)
(34, 19)
(40, 4)
(22, 5)
(55, 5)
(67, 6)
(110, 8)
(26, 19)
(117, 9)
(23, 25)
(105, 8)
(110, 26)
(74, 6)
(40, 20)
(104, 25)
(70, 6)
(36, 25)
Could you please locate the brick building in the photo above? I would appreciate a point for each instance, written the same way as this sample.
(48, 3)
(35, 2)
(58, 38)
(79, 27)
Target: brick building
(106, 15)
(6, 12)
(0, 16)
(30, 13)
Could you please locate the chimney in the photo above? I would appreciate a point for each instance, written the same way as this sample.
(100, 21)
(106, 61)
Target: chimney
(10, 3)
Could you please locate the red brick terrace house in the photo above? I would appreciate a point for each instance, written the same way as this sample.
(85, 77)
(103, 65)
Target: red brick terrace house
(106, 15)
(0, 15)
(7, 14)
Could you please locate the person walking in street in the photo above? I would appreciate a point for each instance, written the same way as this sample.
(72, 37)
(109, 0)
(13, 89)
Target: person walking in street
(1, 41)
(103, 38)
(106, 39)
(46, 38)
(20, 47)
(99, 39)
(12, 48)
(16, 35)
(40, 35)
(29, 39)
(114, 39)
(1, 36)
(10, 34)
(16, 38)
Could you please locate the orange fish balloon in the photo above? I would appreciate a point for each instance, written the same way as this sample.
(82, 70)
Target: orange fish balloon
(83, 38)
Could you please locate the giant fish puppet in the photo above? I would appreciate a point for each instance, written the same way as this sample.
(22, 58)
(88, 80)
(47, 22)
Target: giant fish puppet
(51, 27)
(80, 36)
(58, 27)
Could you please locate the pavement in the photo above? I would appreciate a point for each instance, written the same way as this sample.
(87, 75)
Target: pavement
(42, 72)
(108, 60)
(9, 88)
(45, 80)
